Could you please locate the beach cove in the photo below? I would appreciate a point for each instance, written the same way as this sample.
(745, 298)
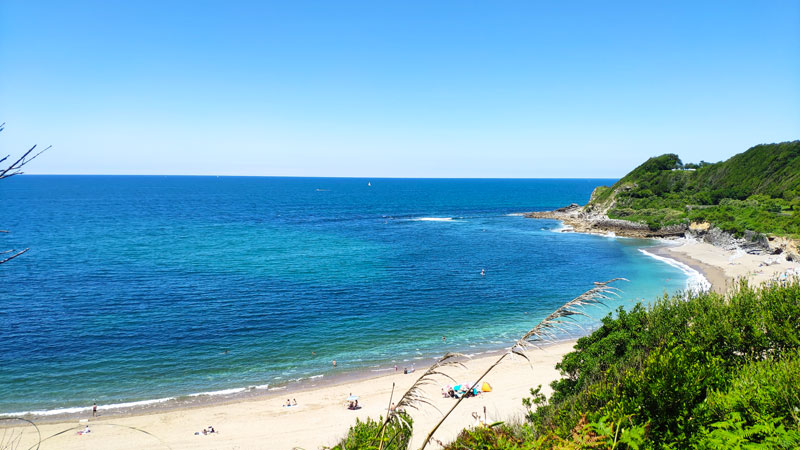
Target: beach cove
(264, 421)
(451, 232)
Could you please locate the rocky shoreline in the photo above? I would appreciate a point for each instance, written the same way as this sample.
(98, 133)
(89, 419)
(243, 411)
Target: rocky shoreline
(580, 220)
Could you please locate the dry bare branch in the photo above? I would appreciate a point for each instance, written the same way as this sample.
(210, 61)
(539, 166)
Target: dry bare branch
(13, 256)
(415, 396)
(16, 167)
(10, 171)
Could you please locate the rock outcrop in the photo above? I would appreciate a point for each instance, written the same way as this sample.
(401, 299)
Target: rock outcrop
(595, 221)
(581, 220)
(753, 243)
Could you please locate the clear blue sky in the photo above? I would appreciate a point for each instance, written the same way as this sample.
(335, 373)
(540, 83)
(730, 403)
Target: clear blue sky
(409, 89)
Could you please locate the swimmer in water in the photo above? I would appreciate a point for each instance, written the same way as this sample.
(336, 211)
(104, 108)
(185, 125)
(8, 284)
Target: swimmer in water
(483, 272)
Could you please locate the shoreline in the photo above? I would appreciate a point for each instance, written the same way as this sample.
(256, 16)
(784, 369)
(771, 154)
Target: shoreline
(243, 422)
(714, 275)
(722, 268)
(248, 418)
(249, 393)
(236, 394)
(727, 267)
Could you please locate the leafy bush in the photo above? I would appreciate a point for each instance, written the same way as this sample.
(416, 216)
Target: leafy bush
(683, 373)
(367, 435)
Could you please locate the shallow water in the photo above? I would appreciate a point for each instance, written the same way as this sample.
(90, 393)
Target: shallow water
(138, 288)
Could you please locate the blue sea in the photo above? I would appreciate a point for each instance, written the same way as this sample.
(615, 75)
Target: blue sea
(144, 287)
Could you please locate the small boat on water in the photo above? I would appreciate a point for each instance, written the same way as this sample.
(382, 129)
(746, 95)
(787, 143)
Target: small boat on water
(369, 183)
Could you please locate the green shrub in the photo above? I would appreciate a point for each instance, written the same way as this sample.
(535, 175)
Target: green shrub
(683, 371)
(367, 435)
(749, 191)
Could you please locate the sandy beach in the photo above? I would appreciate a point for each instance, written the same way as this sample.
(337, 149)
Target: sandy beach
(320, 418)
(723, 267)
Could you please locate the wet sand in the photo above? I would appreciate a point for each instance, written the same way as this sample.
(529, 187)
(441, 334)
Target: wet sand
(319, 420)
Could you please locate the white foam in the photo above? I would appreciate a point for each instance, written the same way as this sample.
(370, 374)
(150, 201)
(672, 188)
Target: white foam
(695, 282)
(79, 409)
(515, 215)
(563, 229)
(220, 392)
(433, 219)
(53, 412)
(315, 377)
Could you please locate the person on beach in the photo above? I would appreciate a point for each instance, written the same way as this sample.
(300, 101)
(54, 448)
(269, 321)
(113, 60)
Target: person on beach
(288, 403)
(294, 402)
(94, 410)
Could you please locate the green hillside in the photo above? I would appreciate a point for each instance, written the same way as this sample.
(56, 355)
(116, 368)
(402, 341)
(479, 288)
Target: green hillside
(757, 190)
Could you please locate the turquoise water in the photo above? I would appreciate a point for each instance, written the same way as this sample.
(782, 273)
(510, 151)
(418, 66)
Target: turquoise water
(140, 288)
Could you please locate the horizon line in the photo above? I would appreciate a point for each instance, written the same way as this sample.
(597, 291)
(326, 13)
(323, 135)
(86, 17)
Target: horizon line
(315, 176)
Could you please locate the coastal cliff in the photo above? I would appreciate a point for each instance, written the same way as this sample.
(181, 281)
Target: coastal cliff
(750, 202)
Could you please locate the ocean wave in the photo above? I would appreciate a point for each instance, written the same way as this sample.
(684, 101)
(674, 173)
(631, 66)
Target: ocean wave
(695, 281)
(139, 403)
(432, 219)
(514, 215)
(78, 409)
(561, 228)
(220, 392)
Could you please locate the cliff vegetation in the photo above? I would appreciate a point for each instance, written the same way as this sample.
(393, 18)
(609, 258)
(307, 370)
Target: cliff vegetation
(758, 190)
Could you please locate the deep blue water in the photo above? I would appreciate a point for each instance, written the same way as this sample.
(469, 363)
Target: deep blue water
(135, 286)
